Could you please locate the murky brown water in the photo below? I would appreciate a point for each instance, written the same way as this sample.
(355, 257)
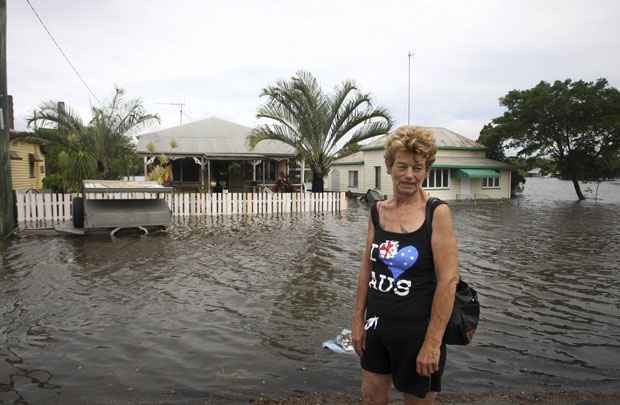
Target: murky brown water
(222, 310)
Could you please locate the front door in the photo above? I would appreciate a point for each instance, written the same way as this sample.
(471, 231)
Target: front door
(465, 188)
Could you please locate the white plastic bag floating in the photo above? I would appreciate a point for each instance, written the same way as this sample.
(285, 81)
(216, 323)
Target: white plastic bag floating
(342, 343)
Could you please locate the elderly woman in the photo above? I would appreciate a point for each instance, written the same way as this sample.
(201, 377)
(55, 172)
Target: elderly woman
(407, 280)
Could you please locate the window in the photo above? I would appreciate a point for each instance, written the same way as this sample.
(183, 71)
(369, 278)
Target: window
(378, 177)
(270, 168)
(490, 182)
(31, 161)
(437, 178)
(353, 178)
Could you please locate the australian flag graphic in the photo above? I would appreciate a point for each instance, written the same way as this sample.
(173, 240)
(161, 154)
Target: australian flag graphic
(397, 261)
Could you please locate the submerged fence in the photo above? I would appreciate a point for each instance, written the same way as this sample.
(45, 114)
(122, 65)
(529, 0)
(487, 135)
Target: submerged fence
(44, 210)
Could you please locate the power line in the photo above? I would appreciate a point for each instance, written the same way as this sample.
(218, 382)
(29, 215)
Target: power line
(61, 51)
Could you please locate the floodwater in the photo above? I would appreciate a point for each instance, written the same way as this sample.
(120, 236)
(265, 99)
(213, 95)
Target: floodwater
(222, 310)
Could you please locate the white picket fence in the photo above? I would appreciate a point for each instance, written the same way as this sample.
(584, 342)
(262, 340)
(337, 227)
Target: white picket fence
(44, 210)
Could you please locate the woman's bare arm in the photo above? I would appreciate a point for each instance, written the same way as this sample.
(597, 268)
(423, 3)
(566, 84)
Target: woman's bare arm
(445, 255)
(362, 289)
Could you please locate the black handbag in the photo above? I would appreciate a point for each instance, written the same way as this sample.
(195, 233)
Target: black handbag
(466, 312)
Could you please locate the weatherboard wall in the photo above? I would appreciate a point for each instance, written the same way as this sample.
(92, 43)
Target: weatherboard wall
(20, 168)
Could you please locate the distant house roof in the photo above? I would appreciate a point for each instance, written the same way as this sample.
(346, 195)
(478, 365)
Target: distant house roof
(210, 137)
(468, 162)
(444, 138)
(26, 137)
(356, 158)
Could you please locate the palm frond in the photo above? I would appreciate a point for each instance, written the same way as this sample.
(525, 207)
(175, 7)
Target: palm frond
(343, 92)
(48, 116)
(277, 113)
(361, 117)
(358, 105)
(273, 132)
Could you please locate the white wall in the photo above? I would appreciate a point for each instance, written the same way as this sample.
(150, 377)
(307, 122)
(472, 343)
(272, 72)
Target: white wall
(502, 192)
(341, 172)
(375, 158)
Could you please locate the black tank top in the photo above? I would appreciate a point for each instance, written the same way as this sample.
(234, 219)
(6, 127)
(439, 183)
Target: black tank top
(402, 279)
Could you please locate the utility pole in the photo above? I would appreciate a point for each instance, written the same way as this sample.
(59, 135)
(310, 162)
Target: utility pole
(7, 217)
(409, 90)
(180, 105)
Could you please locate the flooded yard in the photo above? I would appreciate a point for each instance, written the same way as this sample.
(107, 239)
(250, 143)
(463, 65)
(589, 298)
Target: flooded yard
(226, 309)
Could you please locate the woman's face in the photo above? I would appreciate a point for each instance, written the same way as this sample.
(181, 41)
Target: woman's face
(408, 173)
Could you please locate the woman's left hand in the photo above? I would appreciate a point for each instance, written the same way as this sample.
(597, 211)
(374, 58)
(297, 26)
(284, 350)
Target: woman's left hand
(428, 359)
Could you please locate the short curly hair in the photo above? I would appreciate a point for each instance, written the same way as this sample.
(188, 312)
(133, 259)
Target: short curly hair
(416, 140)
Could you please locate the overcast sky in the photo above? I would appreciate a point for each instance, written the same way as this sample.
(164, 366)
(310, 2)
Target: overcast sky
(216, 56)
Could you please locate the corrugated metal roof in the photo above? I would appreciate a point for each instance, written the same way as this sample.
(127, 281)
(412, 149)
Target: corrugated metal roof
(444, 138)
(212, 136)
(352, 159)
(469, 162)
(26, 137)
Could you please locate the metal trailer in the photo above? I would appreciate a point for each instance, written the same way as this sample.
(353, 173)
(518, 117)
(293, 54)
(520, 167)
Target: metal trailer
(114, 205)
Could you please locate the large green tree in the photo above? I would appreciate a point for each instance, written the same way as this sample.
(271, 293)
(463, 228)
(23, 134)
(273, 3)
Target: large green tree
(574, 123)
(318, 125)
(494, 140)
(100, 149)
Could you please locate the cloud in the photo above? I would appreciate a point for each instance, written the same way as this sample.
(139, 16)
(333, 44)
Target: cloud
(216, 56)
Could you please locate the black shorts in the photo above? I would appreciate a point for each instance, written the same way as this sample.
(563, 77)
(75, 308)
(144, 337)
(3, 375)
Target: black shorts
(392, 348)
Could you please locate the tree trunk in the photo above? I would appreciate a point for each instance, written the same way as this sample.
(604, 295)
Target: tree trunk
(578, 190)
(317, 183)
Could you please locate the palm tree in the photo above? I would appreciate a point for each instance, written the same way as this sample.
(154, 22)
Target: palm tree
(111, 124)
(72, 142)
(100, 148)
(316, 124)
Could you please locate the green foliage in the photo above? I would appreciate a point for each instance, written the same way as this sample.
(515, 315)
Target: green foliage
(54, 183)
(519, 171)
(162, 172)
(574, 124)
(493, 139)
(77, 166)
(318, 125)
(102, 149)
(349, 149)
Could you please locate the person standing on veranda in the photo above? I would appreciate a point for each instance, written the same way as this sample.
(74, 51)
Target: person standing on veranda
(407, 282)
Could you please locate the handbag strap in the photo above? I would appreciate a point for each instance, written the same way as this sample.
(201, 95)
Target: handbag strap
(431, 204)
(374, 214)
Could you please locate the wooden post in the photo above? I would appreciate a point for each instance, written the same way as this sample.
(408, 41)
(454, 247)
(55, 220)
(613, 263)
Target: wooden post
(202, 173)
(302, 177)
(7, 218)
(208, 176)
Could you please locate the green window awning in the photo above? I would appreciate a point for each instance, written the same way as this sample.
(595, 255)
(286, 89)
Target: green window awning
(476, 173)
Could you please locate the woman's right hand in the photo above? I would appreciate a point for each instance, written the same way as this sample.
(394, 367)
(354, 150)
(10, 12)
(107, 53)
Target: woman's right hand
(358, 335)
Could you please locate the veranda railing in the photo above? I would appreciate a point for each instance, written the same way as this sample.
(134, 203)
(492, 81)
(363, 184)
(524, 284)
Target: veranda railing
(44, 210)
